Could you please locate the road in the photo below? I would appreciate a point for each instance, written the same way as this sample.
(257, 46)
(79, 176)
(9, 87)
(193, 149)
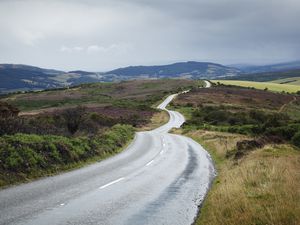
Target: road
(160, 178)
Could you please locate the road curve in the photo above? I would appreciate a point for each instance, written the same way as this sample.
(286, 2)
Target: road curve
(160, 178)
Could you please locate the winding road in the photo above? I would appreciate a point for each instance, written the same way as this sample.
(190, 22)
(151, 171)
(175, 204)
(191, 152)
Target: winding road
(160, 178)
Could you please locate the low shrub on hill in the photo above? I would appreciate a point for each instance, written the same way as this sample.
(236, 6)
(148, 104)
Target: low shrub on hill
(73, 121)
(35, 155)
(247, 122)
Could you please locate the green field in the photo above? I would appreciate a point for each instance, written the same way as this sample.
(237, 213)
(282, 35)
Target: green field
(261, 85)
(290, 80)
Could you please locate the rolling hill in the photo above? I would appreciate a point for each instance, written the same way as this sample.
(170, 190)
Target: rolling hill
(190, 69)
(25, 78)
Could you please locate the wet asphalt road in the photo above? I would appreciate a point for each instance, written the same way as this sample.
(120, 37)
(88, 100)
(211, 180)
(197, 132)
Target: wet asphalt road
(160, 178)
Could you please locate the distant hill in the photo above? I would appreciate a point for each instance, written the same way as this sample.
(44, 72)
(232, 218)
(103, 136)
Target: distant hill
(15, 77)
(268, 68)
(193, 70)
(23, 78)
(267, 76)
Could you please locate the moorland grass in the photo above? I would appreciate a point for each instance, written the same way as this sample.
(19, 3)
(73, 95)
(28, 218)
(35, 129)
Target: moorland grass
(260, 188)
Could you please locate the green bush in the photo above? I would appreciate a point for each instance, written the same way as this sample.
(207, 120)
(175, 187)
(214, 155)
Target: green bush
(296, 139)
(27, 153)
(285, 132)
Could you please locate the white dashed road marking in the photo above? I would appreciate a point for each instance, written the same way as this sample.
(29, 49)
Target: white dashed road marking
(111, 183)
(149, 163)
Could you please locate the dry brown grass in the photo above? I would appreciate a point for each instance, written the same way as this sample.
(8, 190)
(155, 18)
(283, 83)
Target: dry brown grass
(261, 188)
(219, 143)
(157, 120)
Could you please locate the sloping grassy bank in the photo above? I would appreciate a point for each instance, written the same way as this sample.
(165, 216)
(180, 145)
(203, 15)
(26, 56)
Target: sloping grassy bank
(260, 188)
(27, 156)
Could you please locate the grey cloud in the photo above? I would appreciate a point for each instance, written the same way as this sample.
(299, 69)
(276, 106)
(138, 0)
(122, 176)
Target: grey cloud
(103, 34)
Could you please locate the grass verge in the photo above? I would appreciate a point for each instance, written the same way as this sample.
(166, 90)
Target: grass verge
(260, 188)
(158, 119)
(25, 157)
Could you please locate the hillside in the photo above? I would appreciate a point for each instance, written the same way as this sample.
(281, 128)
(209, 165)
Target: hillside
(252, 136)
(194, 70)
(25, 78)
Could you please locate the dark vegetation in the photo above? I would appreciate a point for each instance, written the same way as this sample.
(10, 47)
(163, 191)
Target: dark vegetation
(69, 127)
(267, 117)
(253, 122)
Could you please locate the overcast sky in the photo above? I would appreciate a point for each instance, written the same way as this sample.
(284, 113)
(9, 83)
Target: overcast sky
(99, 35)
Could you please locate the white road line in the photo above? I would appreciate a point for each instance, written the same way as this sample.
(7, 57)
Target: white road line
(149, 163)
(111, 183)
